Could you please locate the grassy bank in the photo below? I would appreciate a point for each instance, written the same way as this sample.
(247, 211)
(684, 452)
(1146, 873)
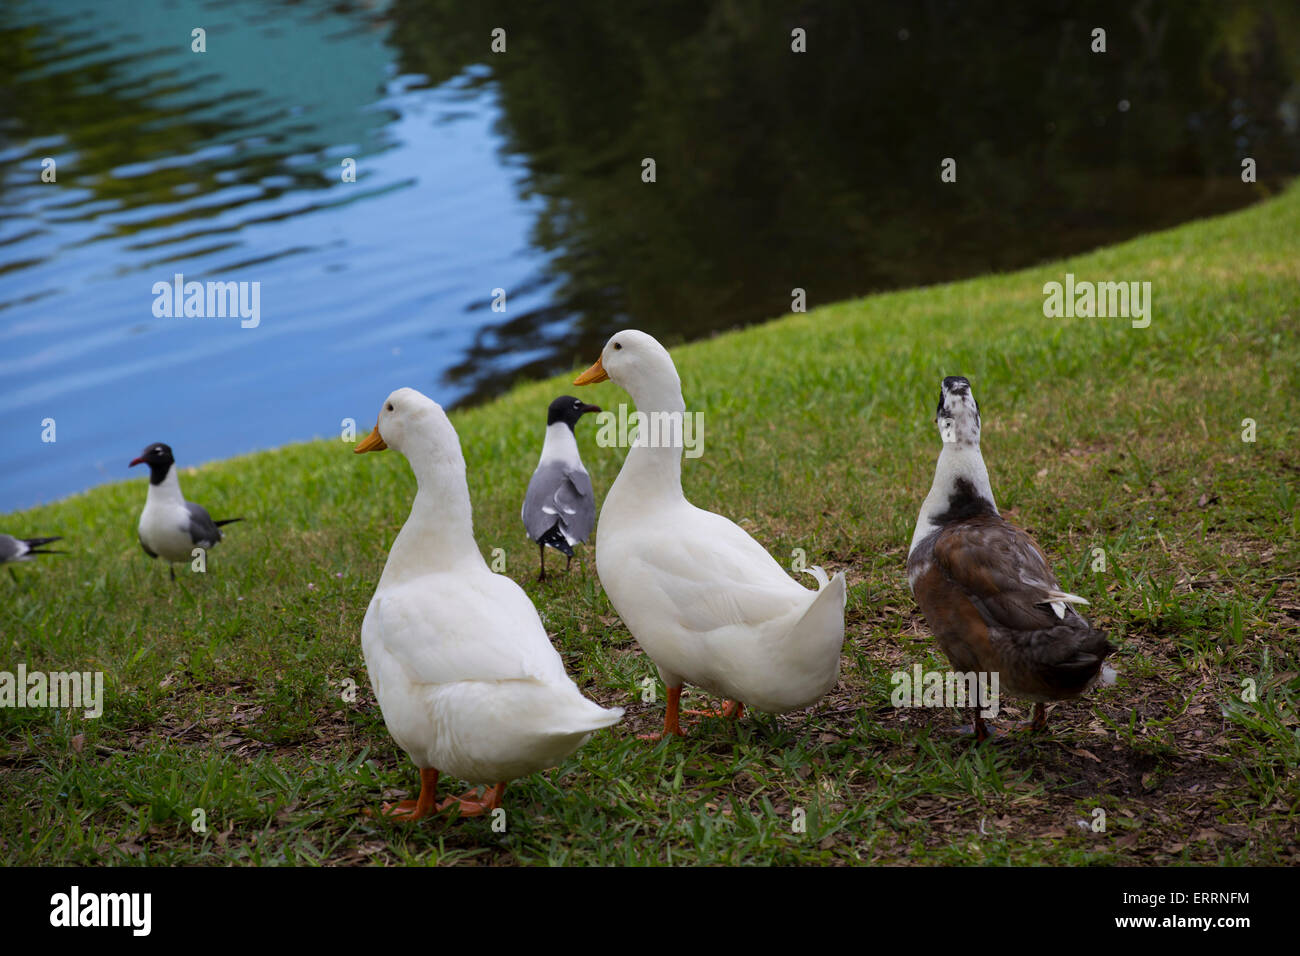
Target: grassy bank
(223, 690)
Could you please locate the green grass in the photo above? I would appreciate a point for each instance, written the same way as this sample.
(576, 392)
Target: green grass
(223, 690)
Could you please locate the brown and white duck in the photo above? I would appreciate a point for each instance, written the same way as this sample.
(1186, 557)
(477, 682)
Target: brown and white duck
(984, 585)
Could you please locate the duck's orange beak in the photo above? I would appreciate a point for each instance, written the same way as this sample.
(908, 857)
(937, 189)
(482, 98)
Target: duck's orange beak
(593, 375)
(372, 442)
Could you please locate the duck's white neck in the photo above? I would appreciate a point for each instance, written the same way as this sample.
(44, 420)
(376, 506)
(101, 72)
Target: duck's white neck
(167, 491)
(560, 444)
(960, 478)
(439, 532)
(653, 468)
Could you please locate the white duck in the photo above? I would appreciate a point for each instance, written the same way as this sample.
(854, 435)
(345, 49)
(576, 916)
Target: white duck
(465, 675)
(704, 600)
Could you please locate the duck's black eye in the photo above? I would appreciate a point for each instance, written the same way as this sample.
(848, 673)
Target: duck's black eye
(617, 346)
(389, 406)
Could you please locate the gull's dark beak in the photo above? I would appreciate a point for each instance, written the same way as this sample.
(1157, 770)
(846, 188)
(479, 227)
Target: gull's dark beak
(136, 461)
(589, 409)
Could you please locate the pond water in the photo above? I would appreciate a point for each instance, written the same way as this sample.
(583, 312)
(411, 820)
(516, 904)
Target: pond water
(521, 171)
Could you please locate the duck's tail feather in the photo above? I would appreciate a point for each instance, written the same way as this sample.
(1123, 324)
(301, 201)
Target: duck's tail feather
(810, 650)
(817, 572)
(1059, 599)
(592, 718)
(823, 621)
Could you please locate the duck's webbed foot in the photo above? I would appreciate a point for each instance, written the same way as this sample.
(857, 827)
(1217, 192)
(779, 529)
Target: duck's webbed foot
(672, 725)
(729, 708)
(412, 810)
(475, 803)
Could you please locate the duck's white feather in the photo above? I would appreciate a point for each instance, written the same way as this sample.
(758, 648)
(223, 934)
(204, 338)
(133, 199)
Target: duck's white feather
(710, 606)
(463, 670)
(488, 699)
(705, 601)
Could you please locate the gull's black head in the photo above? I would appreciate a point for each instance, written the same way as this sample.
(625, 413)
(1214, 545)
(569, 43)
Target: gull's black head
(958, 414)
(568, 409)
(159, 459)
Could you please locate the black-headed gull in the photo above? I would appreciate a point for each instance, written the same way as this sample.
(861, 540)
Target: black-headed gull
(171, 527)
(559, 507)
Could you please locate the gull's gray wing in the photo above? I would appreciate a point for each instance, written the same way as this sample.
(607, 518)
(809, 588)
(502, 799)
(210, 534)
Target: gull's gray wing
(559, 493)
(203, 530)
(10, 548)
(539, 512)
(577, 504)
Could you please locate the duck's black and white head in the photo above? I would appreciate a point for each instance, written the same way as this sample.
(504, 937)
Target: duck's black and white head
(961, 487)
(958, 414)
(567, 410)
(159, 459)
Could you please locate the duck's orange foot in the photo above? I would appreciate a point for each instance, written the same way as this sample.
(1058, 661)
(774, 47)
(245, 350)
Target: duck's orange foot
(671, 723)
(476, 803)
(402, 810)
(730, 708)
(412, 810)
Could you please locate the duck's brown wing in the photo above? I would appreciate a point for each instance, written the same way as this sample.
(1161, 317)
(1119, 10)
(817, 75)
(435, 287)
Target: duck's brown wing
(1003, 573)
(1000, 566)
